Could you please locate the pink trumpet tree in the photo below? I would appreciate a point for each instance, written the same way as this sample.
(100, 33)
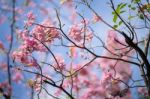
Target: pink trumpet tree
(59, 49)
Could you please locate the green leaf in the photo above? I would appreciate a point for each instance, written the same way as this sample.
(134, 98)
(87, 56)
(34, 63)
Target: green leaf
(113, 13)
(122, 6)
(133, 8)
(141, 16)
(118, 10)
(115, 18)
(130, 17)
(119, 5)
(115, 26)
(120, 22)
(122, 11)
(129, 5)
(136, 1)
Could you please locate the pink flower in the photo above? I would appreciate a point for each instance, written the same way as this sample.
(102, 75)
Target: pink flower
(61, 62)
(85, 22)
(30, 16)
(111, 40)
(45, 34)
(20, 56)
(22, 34)
(75, 32)
(30, 19)
(94, 92)
(17, 77)
(78, 33)
(96, 18)
(89, 36)
(30, 44)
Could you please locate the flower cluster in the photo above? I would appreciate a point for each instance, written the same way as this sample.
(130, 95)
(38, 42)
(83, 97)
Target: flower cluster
(115, 71)
(45, 32)
(30, 19)
(59, 63)
(36, 40)
(79, 32)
